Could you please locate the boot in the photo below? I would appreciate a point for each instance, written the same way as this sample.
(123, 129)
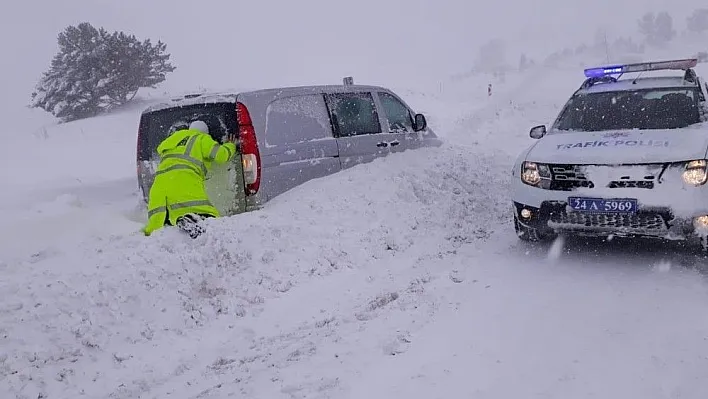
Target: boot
(190, 224)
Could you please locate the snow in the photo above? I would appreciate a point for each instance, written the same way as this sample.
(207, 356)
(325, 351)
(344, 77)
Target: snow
(399, 278)
(402, 277)
(175, 290)
(598, 335)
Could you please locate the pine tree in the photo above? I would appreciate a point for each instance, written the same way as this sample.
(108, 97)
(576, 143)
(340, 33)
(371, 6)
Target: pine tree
(665, 27)
(95, 71)
(492, 56)
(657, 28)
(698, 21)
(523, 63)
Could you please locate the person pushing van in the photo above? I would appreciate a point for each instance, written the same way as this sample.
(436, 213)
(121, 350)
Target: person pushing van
(178, 196)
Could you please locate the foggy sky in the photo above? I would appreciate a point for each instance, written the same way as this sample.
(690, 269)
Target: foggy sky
(235, 43)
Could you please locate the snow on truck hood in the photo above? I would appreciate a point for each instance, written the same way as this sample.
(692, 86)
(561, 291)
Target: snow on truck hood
(622, 146)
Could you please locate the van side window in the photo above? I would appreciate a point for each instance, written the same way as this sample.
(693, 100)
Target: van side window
(297, 119)
(398, 116)
(354, 114)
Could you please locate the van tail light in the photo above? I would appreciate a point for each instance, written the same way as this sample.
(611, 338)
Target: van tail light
(139, 144)
(250, 155)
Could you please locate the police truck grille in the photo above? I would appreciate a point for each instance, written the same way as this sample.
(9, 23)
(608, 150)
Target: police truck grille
(570, 177)
(637, 222)
(648, 184)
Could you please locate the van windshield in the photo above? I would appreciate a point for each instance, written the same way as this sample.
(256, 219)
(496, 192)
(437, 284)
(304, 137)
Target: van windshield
(643, 109)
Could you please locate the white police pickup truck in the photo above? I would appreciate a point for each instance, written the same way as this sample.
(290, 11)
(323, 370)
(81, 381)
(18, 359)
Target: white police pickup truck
(625, 157)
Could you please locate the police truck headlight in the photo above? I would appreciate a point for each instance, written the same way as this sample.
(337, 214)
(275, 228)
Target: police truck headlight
(695, 173)
(534, 174)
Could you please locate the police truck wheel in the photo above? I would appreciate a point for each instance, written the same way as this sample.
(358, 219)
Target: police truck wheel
(529, 234)
(703, 245)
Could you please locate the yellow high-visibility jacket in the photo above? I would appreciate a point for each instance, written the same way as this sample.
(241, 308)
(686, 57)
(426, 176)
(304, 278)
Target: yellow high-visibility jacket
(185, 158)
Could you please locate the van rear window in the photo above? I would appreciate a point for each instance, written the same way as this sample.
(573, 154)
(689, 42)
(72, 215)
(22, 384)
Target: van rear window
(158, 125)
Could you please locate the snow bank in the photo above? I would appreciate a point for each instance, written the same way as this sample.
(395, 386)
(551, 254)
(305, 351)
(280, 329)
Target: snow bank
(117, 306)
(83, 152)
(56, 220)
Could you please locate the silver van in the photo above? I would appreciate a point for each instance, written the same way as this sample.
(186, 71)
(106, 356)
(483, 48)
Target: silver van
(287, 136)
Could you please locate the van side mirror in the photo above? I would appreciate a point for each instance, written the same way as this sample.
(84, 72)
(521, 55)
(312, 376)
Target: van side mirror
(537, 132)
(420, 123)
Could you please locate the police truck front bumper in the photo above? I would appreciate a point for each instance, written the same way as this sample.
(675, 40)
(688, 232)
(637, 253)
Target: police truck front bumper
(555, 217)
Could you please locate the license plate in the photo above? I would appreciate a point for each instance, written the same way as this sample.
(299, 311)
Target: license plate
(602, 205)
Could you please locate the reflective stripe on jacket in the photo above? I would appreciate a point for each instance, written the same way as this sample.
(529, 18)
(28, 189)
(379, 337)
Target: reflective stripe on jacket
(192, 150)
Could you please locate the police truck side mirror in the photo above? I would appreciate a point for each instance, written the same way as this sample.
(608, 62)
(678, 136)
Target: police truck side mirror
(420, 123)
(537, 132)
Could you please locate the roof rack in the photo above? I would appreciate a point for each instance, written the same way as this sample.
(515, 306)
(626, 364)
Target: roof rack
(604, 74)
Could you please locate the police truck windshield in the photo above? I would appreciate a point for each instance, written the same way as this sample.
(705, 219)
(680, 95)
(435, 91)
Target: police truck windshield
(638, 109)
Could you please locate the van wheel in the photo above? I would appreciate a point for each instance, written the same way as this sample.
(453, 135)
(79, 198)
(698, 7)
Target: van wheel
(529, 234)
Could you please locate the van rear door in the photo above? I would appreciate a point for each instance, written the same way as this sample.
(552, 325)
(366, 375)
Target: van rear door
(224, 183)
(298, 143)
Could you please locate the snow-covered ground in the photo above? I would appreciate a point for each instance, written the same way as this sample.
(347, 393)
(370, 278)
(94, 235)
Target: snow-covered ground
(398, 278)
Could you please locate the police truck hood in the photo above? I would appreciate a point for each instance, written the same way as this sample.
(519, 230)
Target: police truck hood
(622, 146)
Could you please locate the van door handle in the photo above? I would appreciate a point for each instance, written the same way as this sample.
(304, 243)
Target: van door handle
(394, 143)
(382, 144)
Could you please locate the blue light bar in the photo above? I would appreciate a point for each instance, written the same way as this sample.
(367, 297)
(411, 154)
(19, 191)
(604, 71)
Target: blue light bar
(603, 71)
(599, 72)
